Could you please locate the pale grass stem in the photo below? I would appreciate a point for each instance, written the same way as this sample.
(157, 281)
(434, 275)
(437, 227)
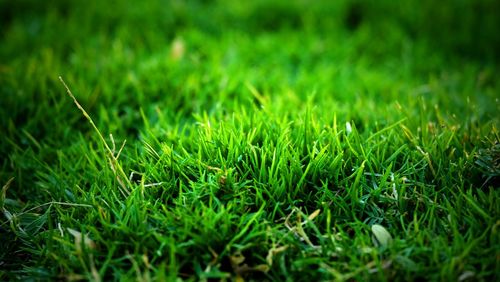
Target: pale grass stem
(113, 160)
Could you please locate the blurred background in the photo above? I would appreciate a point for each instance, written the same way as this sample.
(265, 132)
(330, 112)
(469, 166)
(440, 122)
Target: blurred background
(358, 59)
(465, 27)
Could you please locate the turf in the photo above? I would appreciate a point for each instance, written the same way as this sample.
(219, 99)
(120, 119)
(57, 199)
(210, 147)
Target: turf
(285, 140)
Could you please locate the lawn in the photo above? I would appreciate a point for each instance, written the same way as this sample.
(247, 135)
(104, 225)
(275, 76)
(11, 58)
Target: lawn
(249, 140)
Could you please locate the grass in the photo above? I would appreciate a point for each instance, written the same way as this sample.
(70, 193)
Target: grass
(255, 141)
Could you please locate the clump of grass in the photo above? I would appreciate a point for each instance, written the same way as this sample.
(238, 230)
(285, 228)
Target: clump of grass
(488, 161)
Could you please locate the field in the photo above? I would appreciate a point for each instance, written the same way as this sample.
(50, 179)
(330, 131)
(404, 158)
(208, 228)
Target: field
(249, 140)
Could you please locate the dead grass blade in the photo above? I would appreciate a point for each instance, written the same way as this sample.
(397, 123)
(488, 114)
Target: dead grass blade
(115, 166)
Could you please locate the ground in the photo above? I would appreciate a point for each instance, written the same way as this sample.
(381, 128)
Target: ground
(284, 140)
